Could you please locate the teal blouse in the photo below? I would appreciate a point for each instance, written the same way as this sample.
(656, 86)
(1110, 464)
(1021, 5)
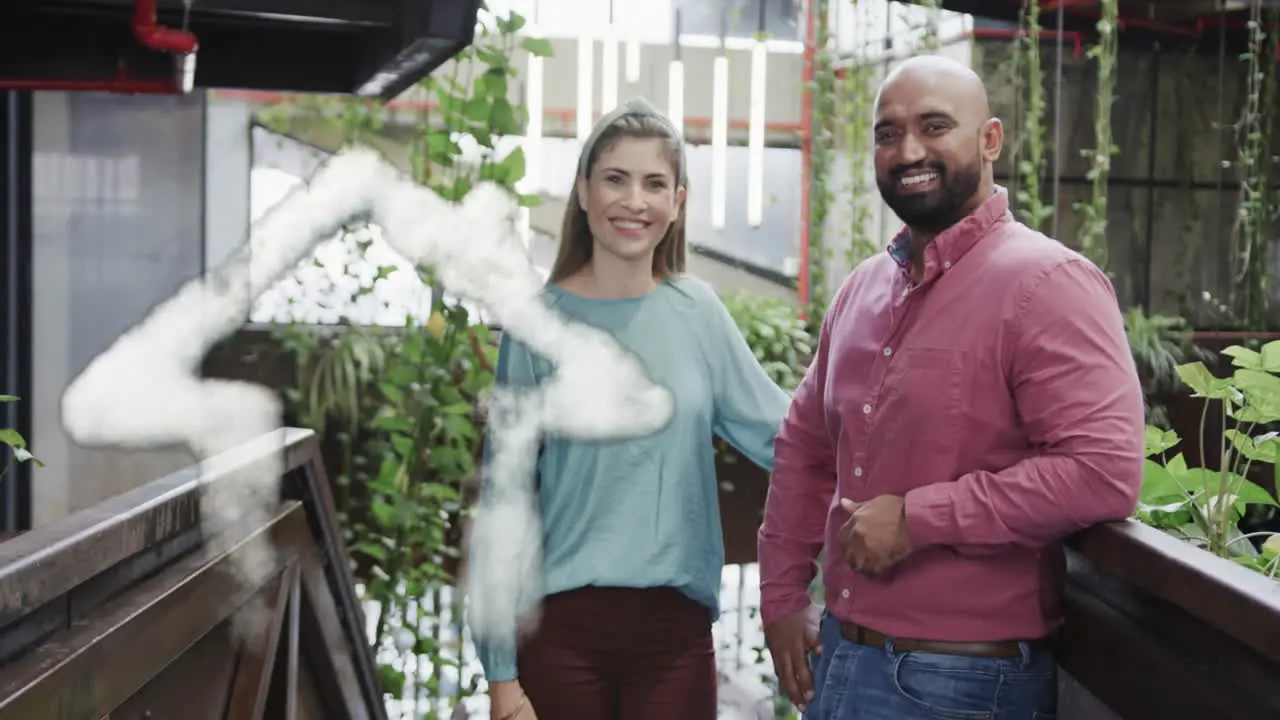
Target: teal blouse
(644, 512)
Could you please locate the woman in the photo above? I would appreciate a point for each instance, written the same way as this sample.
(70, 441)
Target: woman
(631, 528)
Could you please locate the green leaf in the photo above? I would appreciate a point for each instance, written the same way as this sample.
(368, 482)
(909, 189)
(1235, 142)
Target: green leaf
(1271, 356)
(24, 455)
(1247, 493)
(12, 438)
(1264, 448)
(1156, 440)
(537, 46)
(1271, 547)
(1158, 483)
(1203, 383)
(1261, 393)
(1243, 357)
(9, 398)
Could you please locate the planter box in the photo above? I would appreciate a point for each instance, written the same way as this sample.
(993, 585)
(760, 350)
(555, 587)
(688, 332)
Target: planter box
(1156, 628)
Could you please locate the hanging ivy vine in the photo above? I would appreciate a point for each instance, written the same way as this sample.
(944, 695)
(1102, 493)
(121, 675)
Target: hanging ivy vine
(1093, 231)
(821, 151)
(1032, 158)
(930, 42)
(1256, 211)
(856, 98)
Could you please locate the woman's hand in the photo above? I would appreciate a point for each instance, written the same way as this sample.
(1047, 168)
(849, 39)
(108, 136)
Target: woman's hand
(507, 701)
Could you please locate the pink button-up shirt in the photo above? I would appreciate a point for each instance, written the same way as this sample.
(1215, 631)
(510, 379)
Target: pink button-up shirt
(999, 396)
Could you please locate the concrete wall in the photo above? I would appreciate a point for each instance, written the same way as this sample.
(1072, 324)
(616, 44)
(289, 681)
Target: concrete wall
(118, 216)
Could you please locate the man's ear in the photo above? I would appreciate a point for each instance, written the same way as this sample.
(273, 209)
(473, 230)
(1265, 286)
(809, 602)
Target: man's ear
(583, 190)
(992, 139)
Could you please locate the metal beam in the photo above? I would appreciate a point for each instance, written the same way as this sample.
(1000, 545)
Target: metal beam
(370, 13)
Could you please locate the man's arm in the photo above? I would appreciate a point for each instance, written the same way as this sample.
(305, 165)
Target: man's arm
(1079, 401)
(800, 492)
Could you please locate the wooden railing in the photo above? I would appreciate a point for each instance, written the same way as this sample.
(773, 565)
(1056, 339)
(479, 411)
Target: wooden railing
(133, 608)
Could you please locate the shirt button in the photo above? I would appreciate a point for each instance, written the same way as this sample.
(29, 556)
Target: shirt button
(946, 265)
(866, 409)
(905, 291)
(857, 472)
(845, 593)
(888, 352)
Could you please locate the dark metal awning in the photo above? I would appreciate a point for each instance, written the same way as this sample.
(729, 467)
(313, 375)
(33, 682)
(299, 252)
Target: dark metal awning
(375, 48)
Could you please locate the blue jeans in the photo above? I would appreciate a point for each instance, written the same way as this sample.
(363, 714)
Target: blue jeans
(860, 682)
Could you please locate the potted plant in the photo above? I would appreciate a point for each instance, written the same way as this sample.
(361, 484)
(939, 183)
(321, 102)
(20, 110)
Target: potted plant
(1206, 506)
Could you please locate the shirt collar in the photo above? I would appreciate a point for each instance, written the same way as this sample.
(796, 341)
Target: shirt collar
(952, 244)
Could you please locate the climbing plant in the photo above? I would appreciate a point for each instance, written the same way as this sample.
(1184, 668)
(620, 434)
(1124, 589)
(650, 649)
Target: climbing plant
(930, 42)
(1105, 54)
(855, 99)
(821, 153)
(402, 405)
(1032, 156)
(1256, 211)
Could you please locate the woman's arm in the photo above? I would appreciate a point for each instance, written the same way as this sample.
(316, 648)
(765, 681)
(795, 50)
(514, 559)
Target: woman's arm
(749, 405)
(498, 655)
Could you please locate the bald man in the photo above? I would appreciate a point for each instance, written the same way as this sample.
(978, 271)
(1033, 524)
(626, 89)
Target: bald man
(972, 402)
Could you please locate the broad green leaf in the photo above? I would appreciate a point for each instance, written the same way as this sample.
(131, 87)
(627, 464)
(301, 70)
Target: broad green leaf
(1156, 440)
(1158, 484)
(1248, 493)
(12, 438)
(537, 46)
(1271, 547)
(1169, 514)
(1261, 392)
(1243, 357)
(1264, 448)
(1203, 383)
(1271, 356)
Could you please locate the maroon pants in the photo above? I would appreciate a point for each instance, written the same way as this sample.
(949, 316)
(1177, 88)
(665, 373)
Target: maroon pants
(621, 654)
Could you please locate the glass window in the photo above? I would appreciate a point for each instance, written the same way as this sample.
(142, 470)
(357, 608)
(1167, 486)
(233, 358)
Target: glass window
(327, 287)
(740, 18)
(644, 20)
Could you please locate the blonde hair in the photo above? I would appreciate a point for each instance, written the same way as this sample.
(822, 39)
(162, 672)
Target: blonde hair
(636, 120)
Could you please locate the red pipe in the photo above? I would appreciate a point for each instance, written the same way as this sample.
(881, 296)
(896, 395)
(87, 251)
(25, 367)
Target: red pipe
(806, 147)
(152, 35)
(1087, 8)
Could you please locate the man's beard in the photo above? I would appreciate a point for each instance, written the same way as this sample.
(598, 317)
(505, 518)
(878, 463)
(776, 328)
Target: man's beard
(936, 210)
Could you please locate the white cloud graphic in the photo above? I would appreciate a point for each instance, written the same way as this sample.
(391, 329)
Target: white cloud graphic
(144, 391)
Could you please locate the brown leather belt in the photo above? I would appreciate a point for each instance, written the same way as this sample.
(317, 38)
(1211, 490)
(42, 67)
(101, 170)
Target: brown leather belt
(867, 636)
